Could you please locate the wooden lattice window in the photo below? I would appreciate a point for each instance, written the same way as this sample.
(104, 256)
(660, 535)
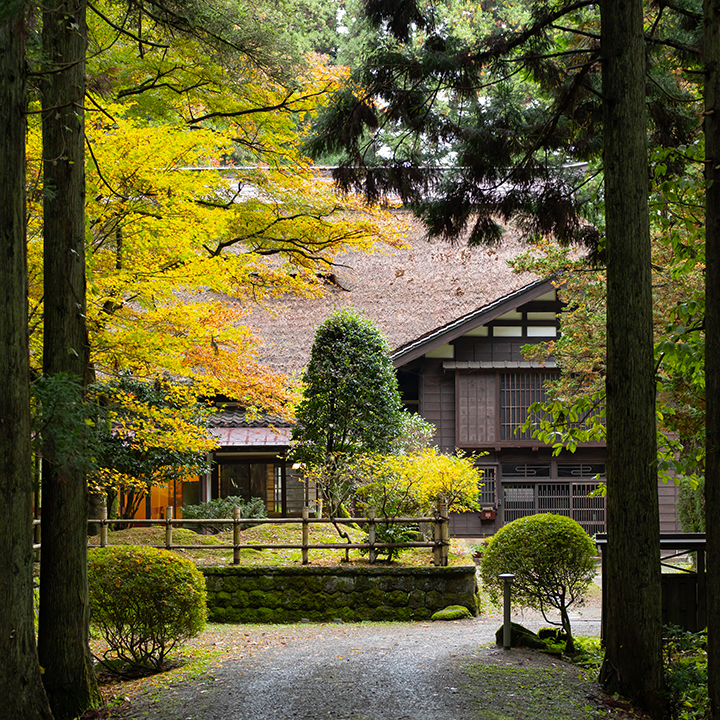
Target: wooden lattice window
(562, 498)
(519, 500)
(588, 511)
(554, 498)
(487, 489)
(517, 392)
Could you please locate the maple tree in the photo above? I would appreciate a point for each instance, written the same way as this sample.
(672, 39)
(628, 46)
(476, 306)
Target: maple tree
(182, 238)
(199, 205)
(148, 433)
(406, 484)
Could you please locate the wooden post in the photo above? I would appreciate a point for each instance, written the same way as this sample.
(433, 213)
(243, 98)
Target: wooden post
(701, 589)
(37, 538)
(437, 537)
(371, 534)
(36, 509)
(444, 532)
(305, 535)
(103, 526)
(236, 535)
(168, 527)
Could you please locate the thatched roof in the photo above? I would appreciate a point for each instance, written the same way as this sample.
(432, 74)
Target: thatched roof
(407, 292)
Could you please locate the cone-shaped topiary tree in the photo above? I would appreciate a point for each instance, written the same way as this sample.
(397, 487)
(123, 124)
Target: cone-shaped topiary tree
(351, 403)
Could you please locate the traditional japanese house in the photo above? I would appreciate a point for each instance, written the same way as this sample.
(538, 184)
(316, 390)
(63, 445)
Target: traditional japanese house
(456, 318)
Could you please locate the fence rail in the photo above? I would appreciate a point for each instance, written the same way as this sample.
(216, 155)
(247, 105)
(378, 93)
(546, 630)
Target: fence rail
(439, 544)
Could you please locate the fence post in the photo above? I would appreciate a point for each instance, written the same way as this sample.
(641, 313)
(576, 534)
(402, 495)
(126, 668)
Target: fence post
(103, 526)
(37, 538)
(168, 527)
(437, 537)
(236, 535)
(371, 534)
(305, 535)
(444, 532)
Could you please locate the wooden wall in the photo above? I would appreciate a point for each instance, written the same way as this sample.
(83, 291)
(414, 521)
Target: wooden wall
(437, 402)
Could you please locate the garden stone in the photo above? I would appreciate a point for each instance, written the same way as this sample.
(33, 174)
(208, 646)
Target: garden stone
(452, 612)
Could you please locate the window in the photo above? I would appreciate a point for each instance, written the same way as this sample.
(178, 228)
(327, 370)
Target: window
(575, 500)
(246, 480)
(580, 470)
(526, 470)
(487, 490)
(517, 392)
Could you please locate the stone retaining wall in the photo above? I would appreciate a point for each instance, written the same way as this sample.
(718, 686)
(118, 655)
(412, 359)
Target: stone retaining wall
(286, 595)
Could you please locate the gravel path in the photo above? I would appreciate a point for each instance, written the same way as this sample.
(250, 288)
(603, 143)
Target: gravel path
(356, 673)
(393, 671)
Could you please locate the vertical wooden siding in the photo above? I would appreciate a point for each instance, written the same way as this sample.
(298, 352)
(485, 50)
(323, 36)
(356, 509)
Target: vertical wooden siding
(437, 403)
(476, 408)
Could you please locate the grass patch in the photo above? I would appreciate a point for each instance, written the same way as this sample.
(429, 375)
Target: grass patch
(589, 653)
(523, 692)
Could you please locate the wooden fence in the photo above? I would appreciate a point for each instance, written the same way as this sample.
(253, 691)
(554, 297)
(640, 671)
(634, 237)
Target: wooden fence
(684, 601)
(439, 522)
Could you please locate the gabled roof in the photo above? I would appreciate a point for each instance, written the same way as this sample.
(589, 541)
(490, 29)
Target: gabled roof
(410, 293)
(457, 328)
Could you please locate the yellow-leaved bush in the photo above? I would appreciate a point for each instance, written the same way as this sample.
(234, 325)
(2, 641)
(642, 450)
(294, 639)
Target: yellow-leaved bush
(412, 483)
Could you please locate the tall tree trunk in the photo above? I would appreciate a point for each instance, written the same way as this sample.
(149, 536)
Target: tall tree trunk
(20, 680)
(63, 634)
(712, 342)
(633, 659)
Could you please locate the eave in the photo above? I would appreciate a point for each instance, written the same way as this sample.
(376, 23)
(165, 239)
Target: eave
(462, 325)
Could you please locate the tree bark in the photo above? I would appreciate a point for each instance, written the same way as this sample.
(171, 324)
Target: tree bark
(633, 659)
(20, 679)
(712, 343)
(64, 617)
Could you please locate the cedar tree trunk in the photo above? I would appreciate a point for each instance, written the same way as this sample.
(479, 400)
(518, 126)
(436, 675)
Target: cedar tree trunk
(63, 635)
(633, 659)
(23, 695)
(712, 343)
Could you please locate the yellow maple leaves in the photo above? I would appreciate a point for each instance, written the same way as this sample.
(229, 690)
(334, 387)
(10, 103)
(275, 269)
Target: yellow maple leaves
(200, 204)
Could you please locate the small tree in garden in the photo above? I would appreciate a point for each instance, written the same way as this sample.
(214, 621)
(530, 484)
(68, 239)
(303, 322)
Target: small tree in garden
(350, 405)
(148, 433)
(553, 560)
(410, 484)
(144, 601)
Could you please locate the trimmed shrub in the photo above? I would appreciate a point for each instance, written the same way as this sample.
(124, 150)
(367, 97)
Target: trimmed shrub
(553, 560)
(144, 601)
(223, 508)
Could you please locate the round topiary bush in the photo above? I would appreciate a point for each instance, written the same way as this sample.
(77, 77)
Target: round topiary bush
(144, 601)
(552, 558)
